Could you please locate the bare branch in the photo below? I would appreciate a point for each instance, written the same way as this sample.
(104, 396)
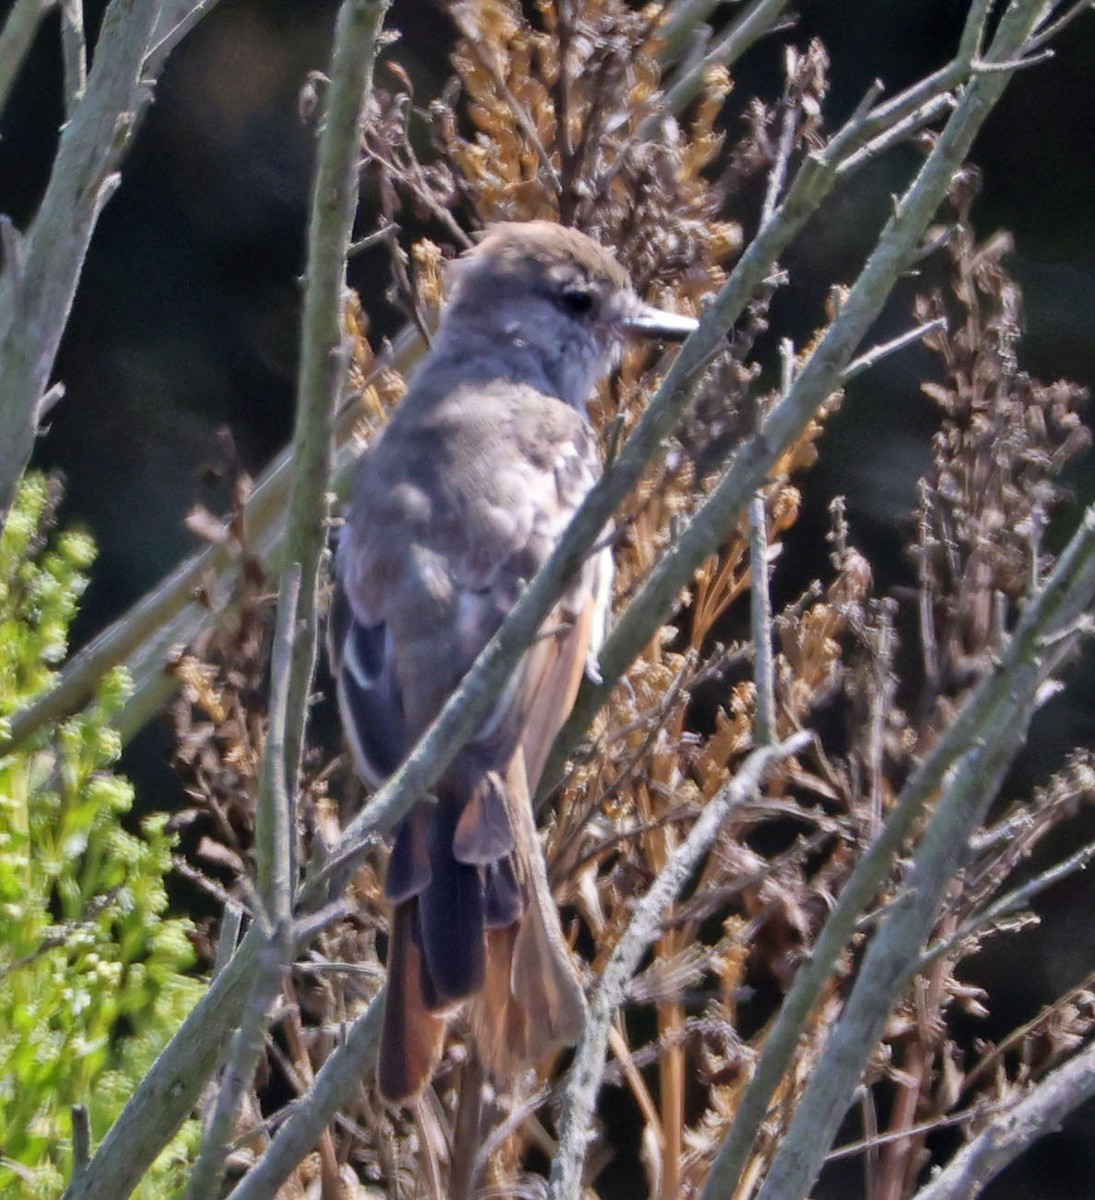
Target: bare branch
(246, 1049)
(323, 351)
(275, 826)
(761, 18)
(998, 703)
(875, 355)
(1011, 902)
(760, 614)
(249, 984)
(925, 195)
(73, 53)
(81, 1139)
(1008, 1135)
(684, 19)
(16, 39)
(182, 26)
(584, 1081)
(275, 819)
(352, 1061)
(36, 295)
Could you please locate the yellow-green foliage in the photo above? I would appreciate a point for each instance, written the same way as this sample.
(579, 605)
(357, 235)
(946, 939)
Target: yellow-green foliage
(91, 970)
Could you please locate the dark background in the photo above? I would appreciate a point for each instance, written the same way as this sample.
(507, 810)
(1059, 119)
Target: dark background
(186, 322)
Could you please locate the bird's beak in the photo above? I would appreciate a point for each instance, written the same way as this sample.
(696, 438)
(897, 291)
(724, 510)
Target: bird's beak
(644, 320)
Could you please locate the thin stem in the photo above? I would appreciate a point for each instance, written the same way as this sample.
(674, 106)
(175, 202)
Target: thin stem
(323, 347)
(243, 1059)
(891, 959)
(877, 353)
(584, 1081)
(760, 19)
(73, 53)
(159, 52)
(999, 697)
(228, 936)
(16, 39)
(897, 242)
(777, 176)
(275, 820)
(1012, 902)
(81, 1139)
(1041, 1111)
(246, 987)
(1052, 29)
(760, 616)
(351, 1061)
(684, 18)
(37, 289)
(274, 826)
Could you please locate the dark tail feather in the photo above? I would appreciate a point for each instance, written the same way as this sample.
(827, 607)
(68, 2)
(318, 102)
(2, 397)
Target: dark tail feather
(451, 913)
(411, 1037)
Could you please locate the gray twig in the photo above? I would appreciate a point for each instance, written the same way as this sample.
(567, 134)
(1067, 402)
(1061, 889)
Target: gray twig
(275, 819)
(876, 353)
(34, 307)
(1008, 1135)
(274, 826)
(248, 985)
(73, 53)
(891, 958)
(760, 617)
(587, 1071)
(352, 1060)
(231, 923)
(1011, 902)
(182, 26)
(243, 1058)
(897, 242)
(1051, 28)
(323, 346)
(998, 703)
(685, 17)
(761, 18)
(16, 39)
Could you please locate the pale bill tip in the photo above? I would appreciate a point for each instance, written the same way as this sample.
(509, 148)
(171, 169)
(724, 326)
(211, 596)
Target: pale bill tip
(648, 321)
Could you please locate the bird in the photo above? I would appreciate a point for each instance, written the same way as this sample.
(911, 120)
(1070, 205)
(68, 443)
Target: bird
(454, 507)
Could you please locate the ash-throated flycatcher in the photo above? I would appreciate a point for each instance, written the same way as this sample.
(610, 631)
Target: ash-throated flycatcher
(454, 509)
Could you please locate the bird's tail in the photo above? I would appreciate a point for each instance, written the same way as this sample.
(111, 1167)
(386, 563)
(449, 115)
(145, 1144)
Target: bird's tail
(532, 1000)
(485, 930)
(413, 1035)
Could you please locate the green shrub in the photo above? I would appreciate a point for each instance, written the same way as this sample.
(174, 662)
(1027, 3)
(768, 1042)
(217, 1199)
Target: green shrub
(92, 972)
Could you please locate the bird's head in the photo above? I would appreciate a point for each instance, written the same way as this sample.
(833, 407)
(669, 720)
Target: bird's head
(553, 295)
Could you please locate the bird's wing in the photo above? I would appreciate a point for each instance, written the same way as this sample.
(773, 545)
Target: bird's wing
(453, 515)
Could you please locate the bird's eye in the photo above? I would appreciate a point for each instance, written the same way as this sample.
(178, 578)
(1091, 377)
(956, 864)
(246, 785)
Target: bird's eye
(576, 301)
